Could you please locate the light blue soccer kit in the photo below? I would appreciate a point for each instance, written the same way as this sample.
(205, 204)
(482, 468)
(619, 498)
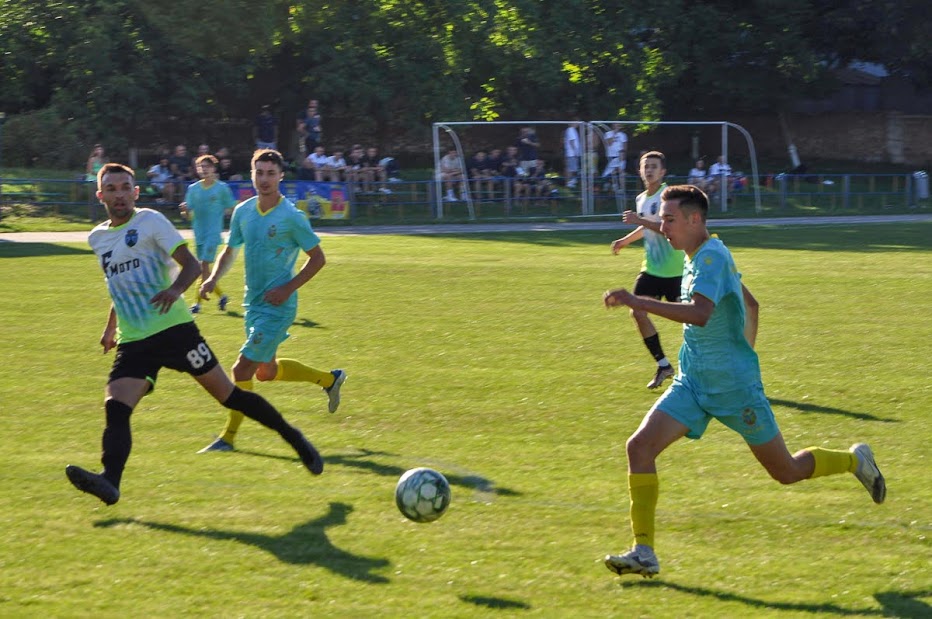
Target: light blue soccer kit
(208, 205)
(272, 241)
(719, 373)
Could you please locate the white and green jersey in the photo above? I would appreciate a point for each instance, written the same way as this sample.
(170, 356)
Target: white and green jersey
(660, 259)
(207, 206)
(272, 242)
(136, 258)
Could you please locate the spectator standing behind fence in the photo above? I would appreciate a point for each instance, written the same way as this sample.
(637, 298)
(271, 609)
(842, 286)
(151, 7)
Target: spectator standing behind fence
(616, 146)
(527, 148)
(571, 153)
(95, 162)
(265, 129)
(309, 126)
(160, 176)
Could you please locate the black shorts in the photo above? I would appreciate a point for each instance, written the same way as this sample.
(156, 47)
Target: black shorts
(179, 348)
(647, 285)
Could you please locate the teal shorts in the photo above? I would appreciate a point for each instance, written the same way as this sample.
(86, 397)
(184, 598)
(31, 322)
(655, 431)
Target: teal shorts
(265, 331)
(207, 252)
(746, 411)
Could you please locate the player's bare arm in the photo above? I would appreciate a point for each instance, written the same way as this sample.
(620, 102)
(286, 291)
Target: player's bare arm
(108, 338)
(221, 267)
(695, 312)
(632, 218)
(752, 310)
(315, 262)
(190, 271)
(635, 235)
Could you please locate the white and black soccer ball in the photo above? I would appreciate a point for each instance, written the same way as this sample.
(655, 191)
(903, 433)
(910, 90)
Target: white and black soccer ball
(422, 494)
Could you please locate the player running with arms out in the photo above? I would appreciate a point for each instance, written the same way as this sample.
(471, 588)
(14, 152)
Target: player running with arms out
(273, 232)
(662, 267)
(151, 328)
(719, 378)
(207, 201)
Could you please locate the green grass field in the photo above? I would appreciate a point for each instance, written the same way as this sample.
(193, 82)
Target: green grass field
(491, 359)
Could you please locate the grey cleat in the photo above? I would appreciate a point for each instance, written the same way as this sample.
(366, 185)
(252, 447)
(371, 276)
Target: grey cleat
(333, 391)
(868, 473)
(639, 560)
(218, 445)
(663, 373)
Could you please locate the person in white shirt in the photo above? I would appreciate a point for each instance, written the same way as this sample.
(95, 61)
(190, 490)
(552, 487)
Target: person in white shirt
(314, 165)
(616, 146)
(335, 166)
(698, 176)
(571, 153)
(718, 173)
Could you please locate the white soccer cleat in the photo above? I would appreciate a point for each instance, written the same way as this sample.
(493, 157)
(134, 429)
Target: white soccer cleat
(639, 560)
(218, 445)
(663, 373)
(333, 391)
(868, 473)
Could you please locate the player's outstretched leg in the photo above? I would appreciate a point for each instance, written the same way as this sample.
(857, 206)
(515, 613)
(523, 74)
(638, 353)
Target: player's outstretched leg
(639, 560)
(117, 443)
(868, 473)
(92, 483)
(256, 407)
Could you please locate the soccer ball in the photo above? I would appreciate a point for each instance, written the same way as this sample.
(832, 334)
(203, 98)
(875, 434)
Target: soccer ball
(422, 494)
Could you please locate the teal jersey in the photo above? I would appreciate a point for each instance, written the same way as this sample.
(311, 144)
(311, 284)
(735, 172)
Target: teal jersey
(717, 358)
(137, 262)
(272, 243)
(660, 259)
(207, 207)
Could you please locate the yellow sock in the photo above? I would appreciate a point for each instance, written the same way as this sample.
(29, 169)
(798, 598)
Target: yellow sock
(832, 461)
(218, 291)
(644, 489)
(291, 370)
(235, 418)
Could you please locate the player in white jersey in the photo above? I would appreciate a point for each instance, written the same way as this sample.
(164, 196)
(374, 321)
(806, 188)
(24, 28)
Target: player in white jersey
(140, 252)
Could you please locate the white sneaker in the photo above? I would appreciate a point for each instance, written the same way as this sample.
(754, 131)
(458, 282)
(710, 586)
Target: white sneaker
(449, 198)
(640, 560)
(385, 190)
(868, 473)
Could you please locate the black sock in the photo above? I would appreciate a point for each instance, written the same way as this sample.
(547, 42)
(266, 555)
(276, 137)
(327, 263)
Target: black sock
(117, 441)
(258, 408)
(653, 345)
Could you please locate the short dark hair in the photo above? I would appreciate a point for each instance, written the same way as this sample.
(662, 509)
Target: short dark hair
(114, 168)
(268, 154)
(207, 159)
(689, 197)
(654, 154)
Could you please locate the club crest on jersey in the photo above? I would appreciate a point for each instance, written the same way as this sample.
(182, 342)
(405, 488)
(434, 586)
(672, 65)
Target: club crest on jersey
(132, 237)
(272, 231)
(653, 208)
(749, 416)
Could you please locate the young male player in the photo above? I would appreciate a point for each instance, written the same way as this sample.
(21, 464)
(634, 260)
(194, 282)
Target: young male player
(273, 232)
(719, 378)
(662, 267)
(151, 329)
(207, 201)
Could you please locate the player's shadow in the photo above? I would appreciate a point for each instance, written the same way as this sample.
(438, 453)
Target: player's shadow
(299, 322)
(495, 602)
(9, 249)
(805, 407)
(905, 604)
(363, 460)
(305, 544)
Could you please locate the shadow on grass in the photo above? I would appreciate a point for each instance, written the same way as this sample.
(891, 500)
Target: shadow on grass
(304, 545)
(828, 410)
(363, 460)
(34, 250)
(299, 322)
(496, 603)
(906, 604)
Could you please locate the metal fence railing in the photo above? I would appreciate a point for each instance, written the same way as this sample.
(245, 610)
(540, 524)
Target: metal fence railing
(516, 198)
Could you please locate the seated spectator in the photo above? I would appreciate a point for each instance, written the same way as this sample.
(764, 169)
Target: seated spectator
(538, 183)
(313, 166)
(509, 166)
(161, 185)
(335, 167)
(451, 173)
(202, 149)
(391, 169)
(354, 162)
(372, 171)
(698, 176)
(495, 164)
(183, 173)
(719, 173)
(481, 174)
(226, 172)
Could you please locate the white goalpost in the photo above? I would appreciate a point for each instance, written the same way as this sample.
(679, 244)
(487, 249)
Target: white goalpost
(591, 135)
